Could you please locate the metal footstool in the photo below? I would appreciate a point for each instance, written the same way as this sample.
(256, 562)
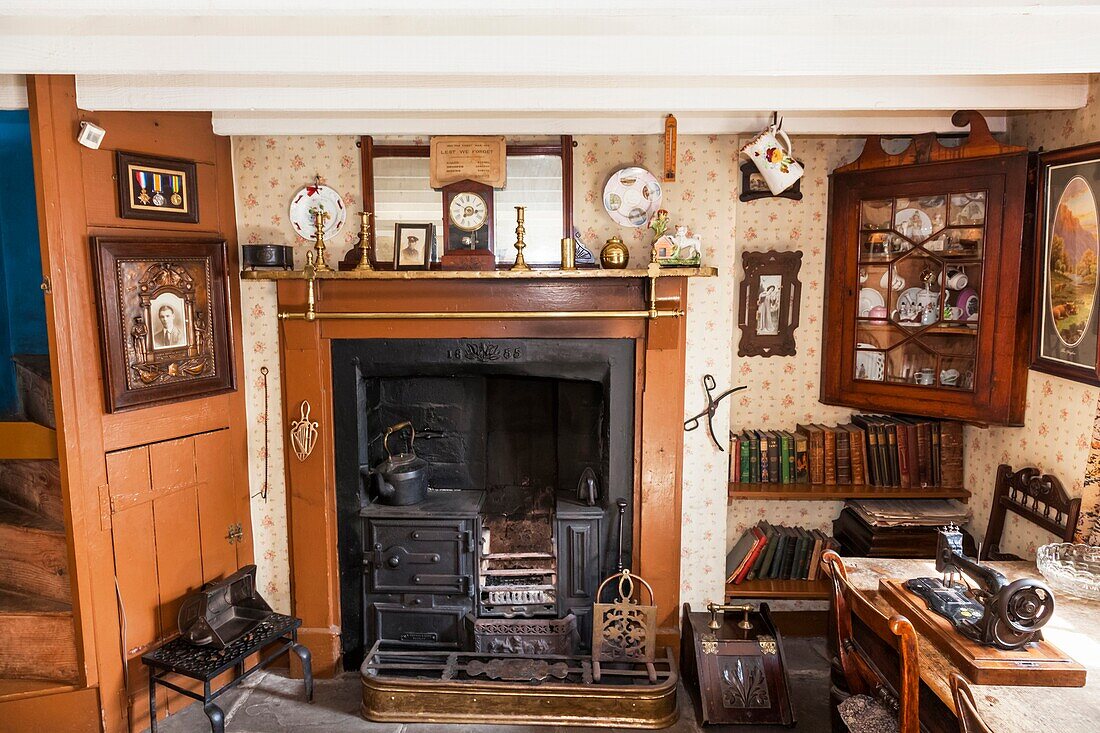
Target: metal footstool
(204, 664)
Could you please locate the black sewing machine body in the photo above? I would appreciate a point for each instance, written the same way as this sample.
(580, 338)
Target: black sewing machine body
(996, 613)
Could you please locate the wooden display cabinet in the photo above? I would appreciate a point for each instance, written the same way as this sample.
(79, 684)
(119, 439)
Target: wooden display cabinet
(929, 279)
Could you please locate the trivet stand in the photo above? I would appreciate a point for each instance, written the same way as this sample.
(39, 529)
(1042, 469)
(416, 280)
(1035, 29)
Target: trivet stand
(205, 663)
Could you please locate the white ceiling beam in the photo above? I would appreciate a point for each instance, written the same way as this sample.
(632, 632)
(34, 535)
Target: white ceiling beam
(800, 123)
(836, 38)
(602, 94)
(13, 91)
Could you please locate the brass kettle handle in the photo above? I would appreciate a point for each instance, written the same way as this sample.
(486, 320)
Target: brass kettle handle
(395, 428)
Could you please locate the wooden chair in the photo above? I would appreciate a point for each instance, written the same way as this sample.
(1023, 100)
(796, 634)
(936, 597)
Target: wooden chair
(965, 707)
(883, 666)
(1039, 498)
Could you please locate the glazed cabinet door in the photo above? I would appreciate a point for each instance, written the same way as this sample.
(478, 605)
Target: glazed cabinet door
(929, 280)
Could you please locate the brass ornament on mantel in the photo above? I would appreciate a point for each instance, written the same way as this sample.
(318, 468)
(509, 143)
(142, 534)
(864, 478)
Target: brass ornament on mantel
(320, 216)
(520, 264)
(614, 255)
(364, 242)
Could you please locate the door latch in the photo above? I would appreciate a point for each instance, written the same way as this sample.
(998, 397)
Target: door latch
(47, 286)
(235, 534)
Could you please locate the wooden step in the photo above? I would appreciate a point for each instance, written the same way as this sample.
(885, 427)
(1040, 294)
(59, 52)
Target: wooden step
(34, 485)
(33, 554)
(19, 689)
(25, 440)
(23, 603)
(32, 378)
(38, 646)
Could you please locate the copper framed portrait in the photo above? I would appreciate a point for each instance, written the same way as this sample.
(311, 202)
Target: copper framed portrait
(161, 189)
(163, 322)
(768, 303)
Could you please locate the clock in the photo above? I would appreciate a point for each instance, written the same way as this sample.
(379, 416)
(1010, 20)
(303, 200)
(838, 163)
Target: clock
(468, 226)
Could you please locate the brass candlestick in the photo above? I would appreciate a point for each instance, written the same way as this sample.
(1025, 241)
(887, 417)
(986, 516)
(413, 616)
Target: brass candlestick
(364, 242)
(320, 216)
(520, 264)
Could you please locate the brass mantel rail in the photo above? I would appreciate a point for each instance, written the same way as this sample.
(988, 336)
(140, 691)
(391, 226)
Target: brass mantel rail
(651, 312)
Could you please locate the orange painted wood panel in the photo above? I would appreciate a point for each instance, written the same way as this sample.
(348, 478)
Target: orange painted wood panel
(136, 571)
(75, 711)
(172, 464)
(187, 135)
(217, 506)
(179, 558)
(128, 478)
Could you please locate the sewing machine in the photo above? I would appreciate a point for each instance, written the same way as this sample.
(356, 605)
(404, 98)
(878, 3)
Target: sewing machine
(996, 613)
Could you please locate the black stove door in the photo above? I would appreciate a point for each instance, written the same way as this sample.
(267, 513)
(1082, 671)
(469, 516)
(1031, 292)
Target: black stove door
(413, 556)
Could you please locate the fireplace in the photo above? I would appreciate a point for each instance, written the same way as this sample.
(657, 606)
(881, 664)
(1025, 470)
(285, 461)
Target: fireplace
(505, 553)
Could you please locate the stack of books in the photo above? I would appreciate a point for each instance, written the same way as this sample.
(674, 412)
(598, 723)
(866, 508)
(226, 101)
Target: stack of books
(870, 450)
(776, 552)
(897, 527)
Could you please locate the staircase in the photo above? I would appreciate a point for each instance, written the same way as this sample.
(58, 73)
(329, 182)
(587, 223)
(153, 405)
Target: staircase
(37, 643)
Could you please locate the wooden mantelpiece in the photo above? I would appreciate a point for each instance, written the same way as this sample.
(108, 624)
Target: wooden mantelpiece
(534, 274)
(307, 366)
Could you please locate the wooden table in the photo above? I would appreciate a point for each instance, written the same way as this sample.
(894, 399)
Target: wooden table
(1075, 629)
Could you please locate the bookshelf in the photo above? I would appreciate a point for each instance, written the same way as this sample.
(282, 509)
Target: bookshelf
(793, 590)
(839, 492)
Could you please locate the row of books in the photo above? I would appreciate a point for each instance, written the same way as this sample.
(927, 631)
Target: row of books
(777, 552)
(875, 450)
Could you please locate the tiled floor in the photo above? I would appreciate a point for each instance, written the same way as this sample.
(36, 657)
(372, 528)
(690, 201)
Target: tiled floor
(270, 703)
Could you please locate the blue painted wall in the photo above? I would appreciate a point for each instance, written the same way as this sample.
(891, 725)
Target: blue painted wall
(22, 308)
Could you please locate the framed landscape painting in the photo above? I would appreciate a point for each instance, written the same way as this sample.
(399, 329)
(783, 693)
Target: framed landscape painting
(1066, 313)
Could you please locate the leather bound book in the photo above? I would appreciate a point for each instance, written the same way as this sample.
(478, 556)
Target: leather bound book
(769, 538)
(780, 549)
(937, 479)
(830, 455)
(735, 459)
(736, 556)
(843, 456)
(801, 457)
(765, 466)
(758, 545)
(805, 548)
(789, 553)
(867, 424)
(746, 461)
(905, 477)
(815, 556)
(893, 464)
(773, 457)
(857, 449)
(924, 452)
(817, 452)
(754, 457)
(951, 453)
(910, 425)
(784, 456)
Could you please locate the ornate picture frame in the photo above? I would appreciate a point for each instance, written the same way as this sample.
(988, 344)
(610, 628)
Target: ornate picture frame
(769, 303)
(412, 245)
(159, 189)
(754, 187)
(163, 319)
(1066, 308)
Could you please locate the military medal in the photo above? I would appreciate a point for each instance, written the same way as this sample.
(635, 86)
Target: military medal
(143, 197)
(158, 197)
(176, 198)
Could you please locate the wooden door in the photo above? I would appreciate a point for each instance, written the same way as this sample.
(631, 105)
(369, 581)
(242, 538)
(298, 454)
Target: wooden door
(173, 509)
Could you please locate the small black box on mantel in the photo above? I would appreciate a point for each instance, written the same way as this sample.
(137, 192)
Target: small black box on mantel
(267, 255)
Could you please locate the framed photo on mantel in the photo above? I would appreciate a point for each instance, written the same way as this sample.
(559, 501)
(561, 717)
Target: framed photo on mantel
(163, 321)
(1066, 310)
(768, 303)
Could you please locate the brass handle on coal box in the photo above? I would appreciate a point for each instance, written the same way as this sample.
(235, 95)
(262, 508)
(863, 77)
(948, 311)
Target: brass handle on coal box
(716, 609)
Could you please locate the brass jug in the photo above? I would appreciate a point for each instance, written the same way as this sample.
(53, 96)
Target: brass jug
(614, 255)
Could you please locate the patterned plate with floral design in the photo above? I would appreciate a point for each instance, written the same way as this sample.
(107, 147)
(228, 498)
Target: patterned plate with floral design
(309, 198)
(631, 196)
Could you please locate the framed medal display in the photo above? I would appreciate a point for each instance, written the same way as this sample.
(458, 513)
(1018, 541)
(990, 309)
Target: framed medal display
(468, 226)
(161, 189)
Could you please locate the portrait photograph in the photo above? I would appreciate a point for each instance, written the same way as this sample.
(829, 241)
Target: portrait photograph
(768, 303)
(163, 321)
(412, 244)
(169, 321)
(1067, 312)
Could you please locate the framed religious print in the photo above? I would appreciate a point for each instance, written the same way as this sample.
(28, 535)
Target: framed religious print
(163, 322)
(768, 303)
(412, 245)
(1065, 310)
(162, 189)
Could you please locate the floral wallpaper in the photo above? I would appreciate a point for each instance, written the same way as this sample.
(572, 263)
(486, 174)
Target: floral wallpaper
(1062, 422)
(269, 171)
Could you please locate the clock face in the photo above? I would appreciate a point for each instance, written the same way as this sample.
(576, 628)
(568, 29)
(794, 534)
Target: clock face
(468, 211)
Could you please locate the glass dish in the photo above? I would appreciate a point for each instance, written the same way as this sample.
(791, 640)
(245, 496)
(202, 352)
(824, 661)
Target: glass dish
(1070, 568)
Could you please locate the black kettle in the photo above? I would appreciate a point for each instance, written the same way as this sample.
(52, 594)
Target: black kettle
(401, 480)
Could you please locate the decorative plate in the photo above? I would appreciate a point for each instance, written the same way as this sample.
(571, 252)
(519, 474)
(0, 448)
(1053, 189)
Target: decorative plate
(632, 196)
(309, 198)
(870, 364)
(913, 224)
(868, 299)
